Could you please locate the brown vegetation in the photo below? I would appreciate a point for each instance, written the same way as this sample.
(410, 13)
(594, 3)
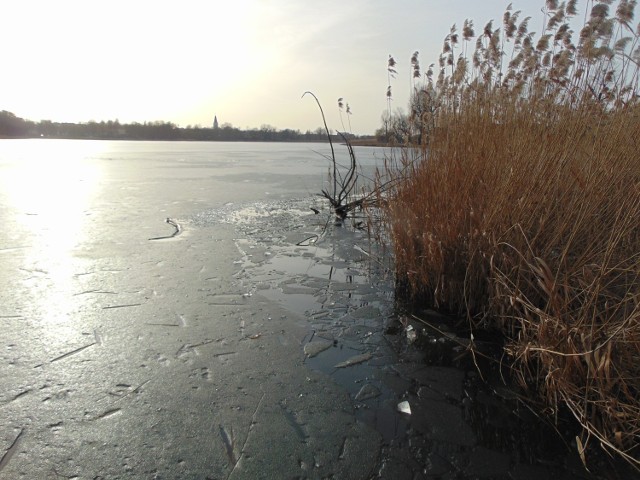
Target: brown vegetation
(520, 209)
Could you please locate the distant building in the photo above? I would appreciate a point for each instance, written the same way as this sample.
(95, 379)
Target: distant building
(215, 122)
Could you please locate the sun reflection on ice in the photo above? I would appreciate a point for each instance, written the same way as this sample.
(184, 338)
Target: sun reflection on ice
(48, 186)
(51, 188)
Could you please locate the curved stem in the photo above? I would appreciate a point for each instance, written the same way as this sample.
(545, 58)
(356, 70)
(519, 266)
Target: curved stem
(326, 128)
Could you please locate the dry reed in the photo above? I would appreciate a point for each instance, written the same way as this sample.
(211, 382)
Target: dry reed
(522, 209)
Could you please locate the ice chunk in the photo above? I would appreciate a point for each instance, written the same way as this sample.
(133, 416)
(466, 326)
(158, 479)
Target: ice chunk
(354, 360)
(404, 407)
(312, 349)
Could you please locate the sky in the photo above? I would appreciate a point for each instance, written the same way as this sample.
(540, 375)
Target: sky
(248, 62)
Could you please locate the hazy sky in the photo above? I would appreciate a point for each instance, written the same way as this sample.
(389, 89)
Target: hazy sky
(246, 61)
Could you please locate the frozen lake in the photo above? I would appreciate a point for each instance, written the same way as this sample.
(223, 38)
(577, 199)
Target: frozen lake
(255, 343)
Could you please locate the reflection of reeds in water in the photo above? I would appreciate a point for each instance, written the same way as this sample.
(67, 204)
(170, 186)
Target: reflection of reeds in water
(521, 210)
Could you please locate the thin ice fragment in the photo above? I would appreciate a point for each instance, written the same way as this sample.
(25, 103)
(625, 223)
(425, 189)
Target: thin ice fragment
(404, 407)
(354, 360)
(312, 349)
(411, 334)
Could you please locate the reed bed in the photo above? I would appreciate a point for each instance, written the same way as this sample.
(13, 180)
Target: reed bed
(520, 207)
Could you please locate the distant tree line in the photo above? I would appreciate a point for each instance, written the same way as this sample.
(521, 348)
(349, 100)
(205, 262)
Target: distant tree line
(12, 126)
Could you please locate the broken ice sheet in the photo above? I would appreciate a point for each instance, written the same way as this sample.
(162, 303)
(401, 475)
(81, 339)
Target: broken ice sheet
(404, 407)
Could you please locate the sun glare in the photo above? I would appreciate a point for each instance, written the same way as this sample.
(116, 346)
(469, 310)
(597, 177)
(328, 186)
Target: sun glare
(50, 184)
(47, 185)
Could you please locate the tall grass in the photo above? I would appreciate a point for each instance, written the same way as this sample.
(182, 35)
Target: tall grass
(523, 209)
